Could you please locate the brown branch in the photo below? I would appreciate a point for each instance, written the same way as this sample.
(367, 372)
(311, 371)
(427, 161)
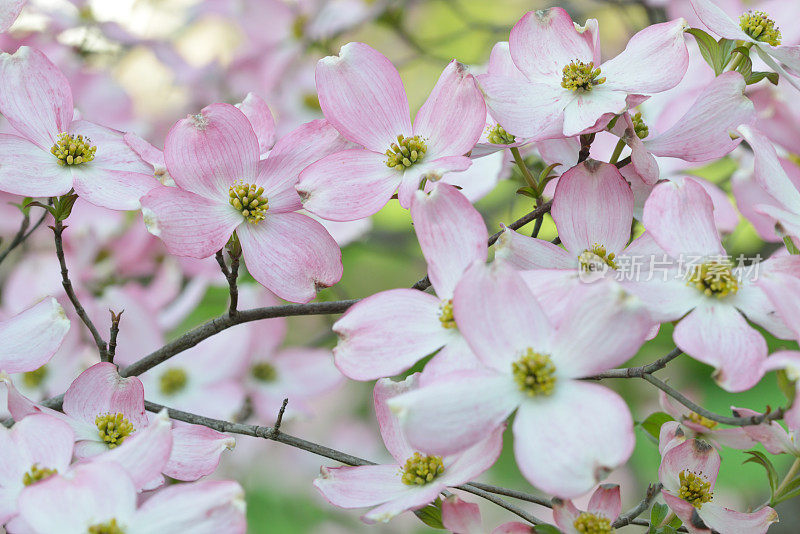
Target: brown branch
(628, 517)
(112, 339)
(232, 276)
(22, 234)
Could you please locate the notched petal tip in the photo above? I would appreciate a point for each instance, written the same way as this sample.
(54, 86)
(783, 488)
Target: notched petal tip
(199, 121)
(151, 222)
(702, 447)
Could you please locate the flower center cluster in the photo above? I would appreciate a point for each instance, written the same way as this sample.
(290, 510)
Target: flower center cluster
(701, 420)
(534, 373)
(694, 489)
(33, 379)
(173, 380)
(250, 201)
(499, 136)
(113, 428)
(37, 473)
(420, 469)
(405, 152)
(760, 27)
(581, 76)
(109, 527)
(714, 278)
(592, 524)
(590, 259)
(264, 372)
(446, 314)
(639, 126)
(73, 150)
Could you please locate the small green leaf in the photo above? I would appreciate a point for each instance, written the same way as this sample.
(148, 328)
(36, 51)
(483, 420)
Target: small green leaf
(431, 515)
(62, 206)
(528, 192)
(676, 522)
(761, 459)
(652, 425)
(546, 529)
(709, 48)
(791, 490)
(658, 514)
(790, 246)
(745, 67)
(760, 75)
(546, 171)
(726, 47)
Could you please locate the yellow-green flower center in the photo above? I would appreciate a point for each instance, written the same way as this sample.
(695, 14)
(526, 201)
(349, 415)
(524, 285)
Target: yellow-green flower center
(405, 152)
(37, 473)
(113, 428)
(33, 379)
(694, 488)
(264, 372)
(250, 201)
(71, 149)
(311, 101)
(109, 527)
(420, 469)
(639, 126)
(760, 27)
(581, 76)
(700, 420)
(535, 373)
(499, 136)
(714, 278)
(446, 314)
(173, 380)
(592, 524)
(591, 259)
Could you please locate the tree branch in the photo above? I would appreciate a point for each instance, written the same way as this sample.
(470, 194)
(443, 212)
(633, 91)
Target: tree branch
(628, 517)
(112, 339)
(22, 234)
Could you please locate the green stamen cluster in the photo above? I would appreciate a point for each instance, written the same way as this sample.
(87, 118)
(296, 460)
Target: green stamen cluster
(113, 428)
(109, 527)
(420, 470)
(250, 201)
(37, 473)
(714, 278)
(597, 253)
(446, 314)
(760, 27)
(405, 152)
(639, 126)
(33, 379)
(701, 420)
(499, 136)
(264, 372)
(694, 489)
(535, 374)
(173, 380)
(592, 524)
(73, 150)
(581, 76)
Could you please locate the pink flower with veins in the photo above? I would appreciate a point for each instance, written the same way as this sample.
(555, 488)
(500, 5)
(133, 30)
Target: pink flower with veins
(9, 11)
(54, 153)
(604, 507)
(700, 286)
(417, 478)
(386, 333)
(31, 337)
(568, 433)
(362, 96)
(565, 90)
(758, 31)
(697, 426)
(224, 188)
(688, 472)
(102, 498)
(462, 517)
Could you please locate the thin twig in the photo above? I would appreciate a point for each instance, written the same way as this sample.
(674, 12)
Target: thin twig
(232, 276)
(22, 234)
(279, 419)
(586, 145)
(637, 372)
(628, 517)
(623, 162)
(112, 338)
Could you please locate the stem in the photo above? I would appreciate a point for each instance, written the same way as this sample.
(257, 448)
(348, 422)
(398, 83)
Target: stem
(789, 476)
(738, 59)
(22, 234)
(112, 340)
(617, 151)
(526, 173)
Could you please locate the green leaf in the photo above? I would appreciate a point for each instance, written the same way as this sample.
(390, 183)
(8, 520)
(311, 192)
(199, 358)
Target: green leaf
(761, 459)
(791, 490)
(546, 529)
(62, 206)
(760, 75)
(652, 425)
(431, 515)
(790, 246)
(787, 386)
(726, 47)
(676, 522)
(528, 192)
(658, 514)
(545, 174)
(709, 48)
(745, 67)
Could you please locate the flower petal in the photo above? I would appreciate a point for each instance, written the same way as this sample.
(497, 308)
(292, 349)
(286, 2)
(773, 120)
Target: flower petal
(526, 253)
(720, 519)
(31, 337)
(361, 486)
(260, 117)
(461, 516)
(196, 451)
(692, 455)
(116, 190)
(522, 108)
(26, 169)
(433, 170)
(591, 111)
(606, 501)
(391, 431)
(473, 462)
(100, 390)
(718, 21)
(768, 171)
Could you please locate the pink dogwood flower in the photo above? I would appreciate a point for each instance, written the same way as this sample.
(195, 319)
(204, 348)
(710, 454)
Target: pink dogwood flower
(30, 338)
(102, 498)
(416, 479)
(223, 187)
(757, 30)
(604, 507)
(695, 425)
(362, 96)
(462, 517)
(568, 433)
(52, 153)
(566, 90)
(688, 472)
(386, 333)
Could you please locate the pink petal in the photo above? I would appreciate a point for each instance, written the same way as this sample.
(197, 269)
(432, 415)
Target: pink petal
(500, 62)
(703, 133)
(473, 462)
(189, 224)
(116, 190)
(453, 116)
(100, 390)
(196, 451)
(31, 337)
(685, 511)
(391, 431)
(566, 443)
(206, 153)
(693, 455)
(512, 528)
(763, 302)
(362, 96)
(719, 336)
(348, 185)
(719, 519)
(592, 111)
(9, 11)
(35, 96)
(260, 117)
(766, 53)
(680, 217)
(451, 233)
(772, 435)
(642, 160)
(634, 70)
(525, 109)
(113, 153)
(45, 439)
(413, 499)
(361, 486)
(291, 254)
(525, 252)
(543, 42)
(433, 170)
(461, 516)
(386, 333)
(725, 215)
(606, 501)
(664, 292)
(768, 171)
(593, 205)
(149, 154)
(718, 21)
(28, 170)
(564, 514)
(455, 356)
